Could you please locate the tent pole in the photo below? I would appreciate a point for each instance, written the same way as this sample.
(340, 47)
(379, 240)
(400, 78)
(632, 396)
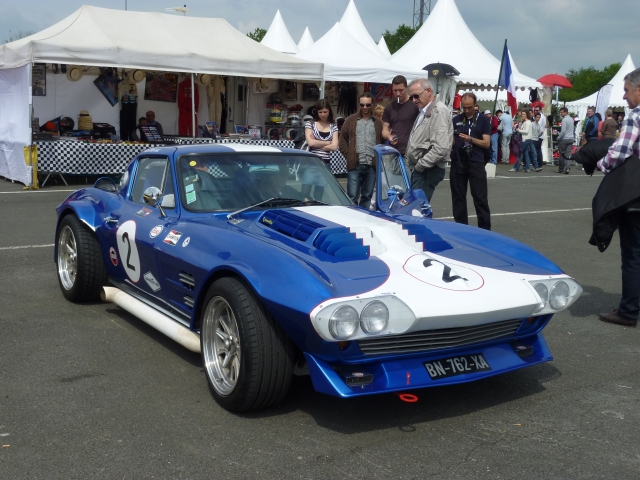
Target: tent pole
(193, 107)
(495, 102)
(322, 84)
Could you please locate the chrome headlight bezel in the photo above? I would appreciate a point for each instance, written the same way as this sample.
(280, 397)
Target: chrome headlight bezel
(400, 317)
(546, 305)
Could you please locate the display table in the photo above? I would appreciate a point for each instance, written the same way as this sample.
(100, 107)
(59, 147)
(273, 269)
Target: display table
(80, 158)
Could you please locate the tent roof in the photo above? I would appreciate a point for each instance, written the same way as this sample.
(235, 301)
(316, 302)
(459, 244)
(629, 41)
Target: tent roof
(347, 60)
(278, 36)
(382, 45)
(616, 92)
(103, 37)
(446, 38)
(352, 22)
(306, 40)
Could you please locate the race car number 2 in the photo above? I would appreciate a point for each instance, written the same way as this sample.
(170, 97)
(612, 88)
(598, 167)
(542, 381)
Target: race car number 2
(126, 238)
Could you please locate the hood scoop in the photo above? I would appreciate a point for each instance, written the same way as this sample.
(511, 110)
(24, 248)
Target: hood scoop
(431, 242)
(289, 224)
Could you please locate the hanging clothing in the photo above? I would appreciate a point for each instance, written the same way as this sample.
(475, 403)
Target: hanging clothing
(185, 120)
(128, 95)
(214, 99)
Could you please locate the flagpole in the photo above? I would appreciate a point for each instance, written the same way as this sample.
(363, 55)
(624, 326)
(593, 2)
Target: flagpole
(500, 76)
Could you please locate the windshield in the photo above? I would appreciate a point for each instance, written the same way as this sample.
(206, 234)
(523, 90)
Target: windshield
(221, 182)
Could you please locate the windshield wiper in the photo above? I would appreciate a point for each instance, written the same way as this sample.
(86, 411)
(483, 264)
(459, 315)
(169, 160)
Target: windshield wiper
(276, 201)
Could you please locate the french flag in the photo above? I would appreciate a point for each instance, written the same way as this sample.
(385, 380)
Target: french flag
(506, 80)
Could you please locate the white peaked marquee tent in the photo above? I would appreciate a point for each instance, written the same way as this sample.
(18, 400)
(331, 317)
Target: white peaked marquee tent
(446, 38)
(306, 40)
(101, 37)
(382, 45)
(580, 106)
(347, 60)
(278, 37)
(352, 22)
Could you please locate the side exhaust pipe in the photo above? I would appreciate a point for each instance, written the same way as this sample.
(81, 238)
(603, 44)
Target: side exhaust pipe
(152, 317)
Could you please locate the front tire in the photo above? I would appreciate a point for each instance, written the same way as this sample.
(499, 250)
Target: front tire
(248, 359)
(81, 271)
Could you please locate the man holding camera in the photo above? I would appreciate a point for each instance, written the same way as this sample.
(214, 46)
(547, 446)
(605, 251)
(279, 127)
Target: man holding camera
(430, 139)
(471, 152)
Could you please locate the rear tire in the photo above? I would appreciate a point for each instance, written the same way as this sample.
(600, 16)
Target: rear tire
(81, 271)
(248, 359)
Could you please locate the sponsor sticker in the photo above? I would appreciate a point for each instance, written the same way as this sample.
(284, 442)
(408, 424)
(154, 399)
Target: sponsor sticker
(192, 163)
(143, 212)
(191, 197)
(114, 256)
(172, 237)
(186, 242)
(189, 188)
(151, 281)
(155, 231)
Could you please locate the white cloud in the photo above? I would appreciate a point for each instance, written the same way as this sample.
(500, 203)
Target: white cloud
(248, 27)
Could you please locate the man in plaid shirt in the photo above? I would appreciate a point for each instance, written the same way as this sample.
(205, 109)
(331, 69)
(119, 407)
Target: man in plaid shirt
(627, 144)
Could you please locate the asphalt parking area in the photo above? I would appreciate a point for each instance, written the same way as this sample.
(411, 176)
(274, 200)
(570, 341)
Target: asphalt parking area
(88, 391)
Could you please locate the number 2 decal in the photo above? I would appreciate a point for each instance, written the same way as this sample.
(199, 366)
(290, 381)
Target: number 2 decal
(126, 238)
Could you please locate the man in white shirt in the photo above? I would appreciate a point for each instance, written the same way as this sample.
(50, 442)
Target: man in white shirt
(542, 123)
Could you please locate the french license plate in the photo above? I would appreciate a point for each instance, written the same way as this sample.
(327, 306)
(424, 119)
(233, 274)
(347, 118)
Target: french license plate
(452, 366)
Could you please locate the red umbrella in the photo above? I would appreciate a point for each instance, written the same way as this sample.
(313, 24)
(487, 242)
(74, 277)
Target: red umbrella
(555, 80)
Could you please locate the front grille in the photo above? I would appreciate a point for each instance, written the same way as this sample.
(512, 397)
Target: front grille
(427, 340)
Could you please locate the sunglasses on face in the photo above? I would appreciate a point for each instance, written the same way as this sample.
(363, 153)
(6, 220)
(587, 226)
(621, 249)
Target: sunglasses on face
(416, 97)
(366, 105)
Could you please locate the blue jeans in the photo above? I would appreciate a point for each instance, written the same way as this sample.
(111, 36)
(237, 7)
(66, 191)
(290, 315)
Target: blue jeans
(528, 150)
(427, 180)
(494, 147)
(360, 183)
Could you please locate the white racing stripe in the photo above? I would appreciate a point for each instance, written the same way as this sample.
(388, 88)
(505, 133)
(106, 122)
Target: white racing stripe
(26, 246)
(42, 191)
(523, 213)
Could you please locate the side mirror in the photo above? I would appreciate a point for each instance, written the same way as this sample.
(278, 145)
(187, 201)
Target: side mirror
(395, 193)
(153, 196)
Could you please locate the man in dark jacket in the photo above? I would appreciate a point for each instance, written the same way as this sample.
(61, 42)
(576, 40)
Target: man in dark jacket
(591, 126)
(627, 145)
(360, 133)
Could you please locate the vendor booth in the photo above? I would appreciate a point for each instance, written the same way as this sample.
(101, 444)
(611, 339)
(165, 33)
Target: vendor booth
(96, 62)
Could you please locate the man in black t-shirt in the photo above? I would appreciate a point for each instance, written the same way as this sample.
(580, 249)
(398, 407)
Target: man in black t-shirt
(399, 116)
(471, 152)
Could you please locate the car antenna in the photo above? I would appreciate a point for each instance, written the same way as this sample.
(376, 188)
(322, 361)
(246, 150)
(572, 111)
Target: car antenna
(233, 214)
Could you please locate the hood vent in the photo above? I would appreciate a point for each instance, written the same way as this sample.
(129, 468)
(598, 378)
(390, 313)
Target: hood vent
(431, 242)
(341, 243)
(289, 224)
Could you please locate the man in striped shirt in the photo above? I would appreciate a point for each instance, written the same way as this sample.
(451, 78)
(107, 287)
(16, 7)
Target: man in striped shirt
(627, 144)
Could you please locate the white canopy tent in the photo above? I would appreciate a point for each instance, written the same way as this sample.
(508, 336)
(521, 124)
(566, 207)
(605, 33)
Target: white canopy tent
(446, 38)
(347, 60)
(579, 107)
(352, 22)
(278, 37)
(306, 40)
(382, 45)
(101, 37)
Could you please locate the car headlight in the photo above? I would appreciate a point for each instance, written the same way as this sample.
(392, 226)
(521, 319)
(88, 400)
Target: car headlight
(360, 317)
(374, 318)
(543, 292)
(555, 294)
(343, 322)
(559, 296)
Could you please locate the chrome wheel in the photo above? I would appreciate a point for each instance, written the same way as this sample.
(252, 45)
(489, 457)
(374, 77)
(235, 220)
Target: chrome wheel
(67, 257)
(221, 346)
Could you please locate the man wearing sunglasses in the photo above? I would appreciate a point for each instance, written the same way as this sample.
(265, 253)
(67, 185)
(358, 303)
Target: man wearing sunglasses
(430, 140)
(360, 133)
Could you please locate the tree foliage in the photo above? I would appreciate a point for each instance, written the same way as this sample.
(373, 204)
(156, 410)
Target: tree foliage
(396, 40)
(587, 81)
(13, 36)
(258, 34)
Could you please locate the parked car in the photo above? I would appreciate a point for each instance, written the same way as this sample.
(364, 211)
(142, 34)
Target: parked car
(255, 257)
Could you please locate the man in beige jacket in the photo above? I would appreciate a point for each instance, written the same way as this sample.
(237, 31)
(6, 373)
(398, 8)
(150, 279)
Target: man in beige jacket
(430, 140)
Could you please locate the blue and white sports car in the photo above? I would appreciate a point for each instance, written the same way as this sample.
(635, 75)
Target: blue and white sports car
(255, 257)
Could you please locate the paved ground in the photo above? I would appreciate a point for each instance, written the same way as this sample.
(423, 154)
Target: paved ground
(91, 392)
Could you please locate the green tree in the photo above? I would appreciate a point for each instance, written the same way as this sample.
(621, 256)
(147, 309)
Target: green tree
(18, 35)
(396, 40)
(586, 81)
(258, 34)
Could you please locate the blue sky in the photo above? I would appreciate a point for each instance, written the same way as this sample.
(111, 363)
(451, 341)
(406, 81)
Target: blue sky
(545, 36)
